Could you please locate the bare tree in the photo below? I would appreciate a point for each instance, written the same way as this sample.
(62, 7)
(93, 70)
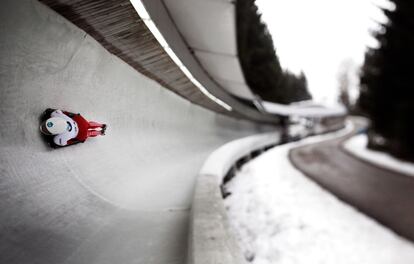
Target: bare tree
(347, 81)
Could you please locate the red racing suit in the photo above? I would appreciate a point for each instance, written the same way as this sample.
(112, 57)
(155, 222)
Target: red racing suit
(85, 128)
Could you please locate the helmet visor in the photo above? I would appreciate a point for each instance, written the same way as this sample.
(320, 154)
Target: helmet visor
(44, 130)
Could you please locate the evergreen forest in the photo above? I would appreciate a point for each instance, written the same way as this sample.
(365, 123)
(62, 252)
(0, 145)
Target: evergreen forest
(387, 94)
(260, 64)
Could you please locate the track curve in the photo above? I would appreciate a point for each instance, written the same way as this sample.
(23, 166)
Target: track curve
(122, 198)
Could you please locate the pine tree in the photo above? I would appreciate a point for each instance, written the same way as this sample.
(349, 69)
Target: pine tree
(387, 95)
(259, 61)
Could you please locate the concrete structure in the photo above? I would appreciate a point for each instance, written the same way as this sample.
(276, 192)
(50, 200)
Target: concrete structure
(217, 67)
(307, 110)
(209, 29)
(211, 239)
(123, 198)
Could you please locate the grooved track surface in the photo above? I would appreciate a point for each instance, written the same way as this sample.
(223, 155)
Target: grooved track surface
(122, 198)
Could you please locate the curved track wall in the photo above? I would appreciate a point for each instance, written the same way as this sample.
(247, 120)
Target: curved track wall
(122, 198)
(211, 239)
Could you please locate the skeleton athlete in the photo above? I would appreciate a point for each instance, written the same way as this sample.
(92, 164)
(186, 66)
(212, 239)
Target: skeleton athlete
(68, 128)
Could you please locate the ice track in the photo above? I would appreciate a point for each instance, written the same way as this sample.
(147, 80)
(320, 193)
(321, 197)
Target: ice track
(122, 198)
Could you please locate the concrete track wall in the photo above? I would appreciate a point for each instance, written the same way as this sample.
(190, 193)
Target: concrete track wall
(211, 238)
(122, 198)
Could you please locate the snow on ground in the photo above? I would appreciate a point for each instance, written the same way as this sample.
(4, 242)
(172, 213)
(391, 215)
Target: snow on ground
(281, 216)
(357, 146)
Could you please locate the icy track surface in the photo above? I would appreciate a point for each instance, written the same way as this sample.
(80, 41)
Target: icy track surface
(357, 146)
(281, 216)
(122, 198)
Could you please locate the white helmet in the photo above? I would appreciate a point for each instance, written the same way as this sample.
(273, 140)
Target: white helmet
(54, 126)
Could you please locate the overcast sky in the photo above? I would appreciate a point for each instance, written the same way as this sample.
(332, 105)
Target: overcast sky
(317, 36)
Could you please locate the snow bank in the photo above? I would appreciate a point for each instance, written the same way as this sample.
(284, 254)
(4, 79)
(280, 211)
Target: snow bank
(281, 216)
(357, 146)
